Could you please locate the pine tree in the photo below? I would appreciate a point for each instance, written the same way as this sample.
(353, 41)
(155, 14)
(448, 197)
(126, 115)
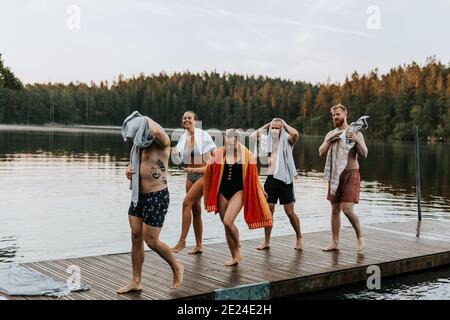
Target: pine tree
(7, 77)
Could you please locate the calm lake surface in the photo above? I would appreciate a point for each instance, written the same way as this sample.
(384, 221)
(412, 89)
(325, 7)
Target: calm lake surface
(64, 194)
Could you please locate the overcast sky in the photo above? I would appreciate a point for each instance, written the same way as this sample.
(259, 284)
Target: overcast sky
(310, 40)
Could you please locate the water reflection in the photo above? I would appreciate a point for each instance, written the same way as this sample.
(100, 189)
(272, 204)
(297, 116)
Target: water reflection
(428, 285)
(390, 164)
(8, 249)
(65, 194)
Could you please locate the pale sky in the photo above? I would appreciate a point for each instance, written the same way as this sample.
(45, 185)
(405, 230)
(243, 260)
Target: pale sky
(308, 40)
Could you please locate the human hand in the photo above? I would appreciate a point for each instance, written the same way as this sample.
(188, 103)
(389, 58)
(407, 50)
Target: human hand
(128, 172)
(189, 170)
(334, 136)
(352, 136)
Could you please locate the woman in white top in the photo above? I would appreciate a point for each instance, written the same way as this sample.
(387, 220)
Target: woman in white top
(195, 148)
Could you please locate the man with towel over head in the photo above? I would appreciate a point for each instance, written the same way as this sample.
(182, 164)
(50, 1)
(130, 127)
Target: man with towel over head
(277, 139)
(342, 147)
(150, 198)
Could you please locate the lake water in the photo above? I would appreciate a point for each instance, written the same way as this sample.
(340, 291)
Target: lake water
(428, 285)
(64, 194)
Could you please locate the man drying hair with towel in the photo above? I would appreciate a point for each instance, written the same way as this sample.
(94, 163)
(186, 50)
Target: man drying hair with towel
(343, 146)
(277, 140)
(150, 197)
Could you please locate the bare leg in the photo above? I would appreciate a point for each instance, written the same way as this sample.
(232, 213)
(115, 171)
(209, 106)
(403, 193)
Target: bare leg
(295, 223)
(198, 227)
(151, 237)
(185, 223)
(267, 232)
(347, 208)
(137, 255)
(193, 194)
(232, 210)
(335, 226)
(222, 204)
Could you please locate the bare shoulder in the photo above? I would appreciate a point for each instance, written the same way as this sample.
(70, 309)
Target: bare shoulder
(152, 122)
(360, 134)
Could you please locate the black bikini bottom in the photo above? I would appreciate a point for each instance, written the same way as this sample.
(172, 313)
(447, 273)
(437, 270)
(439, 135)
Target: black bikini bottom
(228, 189)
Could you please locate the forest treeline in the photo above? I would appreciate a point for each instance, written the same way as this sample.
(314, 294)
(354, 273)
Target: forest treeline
(407, 95)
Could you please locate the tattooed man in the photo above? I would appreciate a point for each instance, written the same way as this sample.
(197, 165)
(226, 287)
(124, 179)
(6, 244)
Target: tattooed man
(147, 217)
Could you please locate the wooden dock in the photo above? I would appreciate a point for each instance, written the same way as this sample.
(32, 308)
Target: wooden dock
(281, 271)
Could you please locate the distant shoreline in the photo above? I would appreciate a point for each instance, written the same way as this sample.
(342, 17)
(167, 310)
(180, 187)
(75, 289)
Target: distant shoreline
(77, 128)
(74, 128)
(59, 128)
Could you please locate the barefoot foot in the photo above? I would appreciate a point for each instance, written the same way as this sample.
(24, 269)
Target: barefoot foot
(179, 246)
(177, 276)
(264, 245)
(132, 286)
(361, 245)
(232, 262)
(331, 247)
(299, 244)
(196, 250)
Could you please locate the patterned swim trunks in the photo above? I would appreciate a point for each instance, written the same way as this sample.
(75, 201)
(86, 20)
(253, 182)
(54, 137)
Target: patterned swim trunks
(152, 207)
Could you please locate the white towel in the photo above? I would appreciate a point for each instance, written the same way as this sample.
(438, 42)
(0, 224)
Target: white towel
(337, 155)
(285, 169)
(203, 141)
(260, 147)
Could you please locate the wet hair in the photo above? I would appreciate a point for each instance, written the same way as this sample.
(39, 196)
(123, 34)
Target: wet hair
(278, 120)
(337, 106)
(230, 133)
(193, 113)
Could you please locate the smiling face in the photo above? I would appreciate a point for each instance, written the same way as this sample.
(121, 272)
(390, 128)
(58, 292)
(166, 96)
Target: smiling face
(188, 120)
(339, 116)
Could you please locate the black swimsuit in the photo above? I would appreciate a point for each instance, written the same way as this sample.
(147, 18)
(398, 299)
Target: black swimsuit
(231, 180)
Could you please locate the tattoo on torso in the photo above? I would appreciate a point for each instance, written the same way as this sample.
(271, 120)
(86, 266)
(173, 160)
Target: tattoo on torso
(161, 165)
(155, 171)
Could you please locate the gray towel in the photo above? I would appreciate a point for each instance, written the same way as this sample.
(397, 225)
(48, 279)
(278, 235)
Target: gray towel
(360, 125)
(337, 154)
(285, 169)
(135, 127)
(17, 280)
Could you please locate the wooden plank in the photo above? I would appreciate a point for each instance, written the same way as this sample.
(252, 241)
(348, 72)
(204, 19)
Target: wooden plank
(103, 288)
(392, 246)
